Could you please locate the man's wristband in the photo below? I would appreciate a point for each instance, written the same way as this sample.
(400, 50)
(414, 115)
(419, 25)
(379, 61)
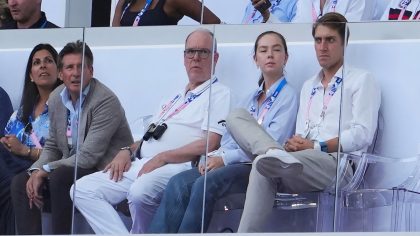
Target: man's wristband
(324, 146)
(320, 146)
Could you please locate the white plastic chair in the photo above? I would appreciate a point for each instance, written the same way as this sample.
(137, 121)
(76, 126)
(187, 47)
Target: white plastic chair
(367, 206)
(407, 203)
(303, 212)
(139, 126)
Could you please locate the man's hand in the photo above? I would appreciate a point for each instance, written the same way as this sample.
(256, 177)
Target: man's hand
(33, 188)
(213, 163)
(266, 12)
(120, 164)
(297, 143)
(156, 162)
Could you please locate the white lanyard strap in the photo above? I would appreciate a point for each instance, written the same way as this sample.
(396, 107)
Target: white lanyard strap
(169, 106)
(326, 100)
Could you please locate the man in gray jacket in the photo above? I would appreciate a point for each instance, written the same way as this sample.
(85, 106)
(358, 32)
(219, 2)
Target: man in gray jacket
(87, 129)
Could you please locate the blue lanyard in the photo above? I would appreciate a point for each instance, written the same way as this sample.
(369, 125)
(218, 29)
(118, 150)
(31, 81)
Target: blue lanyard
(269, 101)
(404, 4)
(182, 106)
(43, 24)
(141, 12)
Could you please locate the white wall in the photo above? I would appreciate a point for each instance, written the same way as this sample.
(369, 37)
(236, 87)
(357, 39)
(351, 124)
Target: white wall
(149, 58)
(55, 11)
(68, 13)
(152, 61)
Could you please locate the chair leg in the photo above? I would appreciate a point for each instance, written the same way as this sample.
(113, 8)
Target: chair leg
(398, 199)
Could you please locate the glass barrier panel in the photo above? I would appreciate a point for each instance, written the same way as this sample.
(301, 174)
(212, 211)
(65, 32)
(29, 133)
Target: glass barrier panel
(33, 139)
(240, 67)
(387, 165)
(160, 100)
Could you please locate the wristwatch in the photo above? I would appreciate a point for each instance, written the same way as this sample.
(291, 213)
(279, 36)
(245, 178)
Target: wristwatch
(132, 157)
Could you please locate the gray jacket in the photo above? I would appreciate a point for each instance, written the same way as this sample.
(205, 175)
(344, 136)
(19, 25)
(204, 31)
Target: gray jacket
(104, 130)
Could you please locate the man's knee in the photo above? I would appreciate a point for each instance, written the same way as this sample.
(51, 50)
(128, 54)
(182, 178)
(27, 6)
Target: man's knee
(198, 186)
(61, 178)
(144, 194)
(85, 187)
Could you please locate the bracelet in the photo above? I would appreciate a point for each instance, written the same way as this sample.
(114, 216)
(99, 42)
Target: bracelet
(38, 152)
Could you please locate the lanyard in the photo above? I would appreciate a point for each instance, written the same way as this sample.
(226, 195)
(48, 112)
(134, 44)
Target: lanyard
(28, 132)
(403, 5)
(32, 135)
(326, 101)
(169, 106)
(141, 12)
(43, 24)
(269, 102)
(250, 18)
(35, 139)
(69, 131)
(314, 13)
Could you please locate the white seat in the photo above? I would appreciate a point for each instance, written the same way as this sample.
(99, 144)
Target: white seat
(363, 201)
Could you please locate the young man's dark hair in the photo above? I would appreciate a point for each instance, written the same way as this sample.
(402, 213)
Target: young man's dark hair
(333, 20)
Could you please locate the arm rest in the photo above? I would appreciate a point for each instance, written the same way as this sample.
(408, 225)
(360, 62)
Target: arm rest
(367, 158)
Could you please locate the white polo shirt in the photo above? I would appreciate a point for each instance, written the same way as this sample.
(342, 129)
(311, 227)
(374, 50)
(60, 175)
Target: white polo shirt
(191, 123)
(308, 11)
(361, 102)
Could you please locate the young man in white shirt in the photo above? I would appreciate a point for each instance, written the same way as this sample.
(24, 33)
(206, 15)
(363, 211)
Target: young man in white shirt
(308, 161)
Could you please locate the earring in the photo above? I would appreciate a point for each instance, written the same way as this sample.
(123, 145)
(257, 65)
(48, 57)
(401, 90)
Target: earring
(32, 80)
